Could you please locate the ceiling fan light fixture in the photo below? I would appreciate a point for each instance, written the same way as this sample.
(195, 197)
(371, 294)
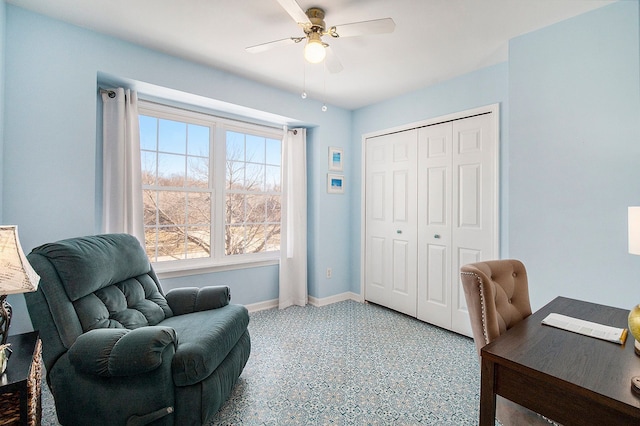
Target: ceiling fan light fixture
(314, 51)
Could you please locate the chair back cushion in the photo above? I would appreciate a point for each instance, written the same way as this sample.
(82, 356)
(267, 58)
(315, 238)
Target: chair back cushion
(102, 281)
(497, 295)
(88, 264)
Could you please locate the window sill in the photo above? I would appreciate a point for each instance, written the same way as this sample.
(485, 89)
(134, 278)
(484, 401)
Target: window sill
(184, 269)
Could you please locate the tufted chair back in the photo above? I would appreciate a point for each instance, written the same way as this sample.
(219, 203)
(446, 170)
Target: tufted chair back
(497, 295)
(104, 281)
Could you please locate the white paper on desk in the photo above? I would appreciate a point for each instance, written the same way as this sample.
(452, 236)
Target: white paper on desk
(587, 328)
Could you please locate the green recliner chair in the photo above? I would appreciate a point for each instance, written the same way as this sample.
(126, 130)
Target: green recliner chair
(118, 351)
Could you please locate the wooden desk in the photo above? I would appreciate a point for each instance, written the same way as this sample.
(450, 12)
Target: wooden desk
(570, 378)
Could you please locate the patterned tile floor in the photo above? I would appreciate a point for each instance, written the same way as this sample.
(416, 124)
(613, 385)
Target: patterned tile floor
(349, 364)
(353, 364)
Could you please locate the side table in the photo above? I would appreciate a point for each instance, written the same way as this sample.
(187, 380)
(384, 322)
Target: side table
(20, 385)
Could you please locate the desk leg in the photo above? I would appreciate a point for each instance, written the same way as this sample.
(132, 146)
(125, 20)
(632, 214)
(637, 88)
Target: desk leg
(487, 394)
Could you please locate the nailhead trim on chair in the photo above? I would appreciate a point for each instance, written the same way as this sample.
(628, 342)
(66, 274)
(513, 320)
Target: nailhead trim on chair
(482, 304)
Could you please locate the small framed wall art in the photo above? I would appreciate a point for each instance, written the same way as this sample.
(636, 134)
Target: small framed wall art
(336, 158)
(335, 183)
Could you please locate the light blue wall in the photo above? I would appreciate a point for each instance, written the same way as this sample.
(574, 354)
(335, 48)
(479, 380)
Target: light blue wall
(484, 87)
(574, 143)
(50, 151)
(570, 147)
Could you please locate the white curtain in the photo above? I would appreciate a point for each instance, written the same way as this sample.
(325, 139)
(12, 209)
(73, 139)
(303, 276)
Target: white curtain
(122, 182)
(293, 236)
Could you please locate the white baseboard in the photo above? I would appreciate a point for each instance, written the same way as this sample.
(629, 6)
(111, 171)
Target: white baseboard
(270, 304)
(261, 306)
(335, 299)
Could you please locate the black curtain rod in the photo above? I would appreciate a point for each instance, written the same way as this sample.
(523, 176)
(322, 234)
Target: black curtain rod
(110, 93)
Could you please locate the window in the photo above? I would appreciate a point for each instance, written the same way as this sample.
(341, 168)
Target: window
(211, 188)
(252, 200)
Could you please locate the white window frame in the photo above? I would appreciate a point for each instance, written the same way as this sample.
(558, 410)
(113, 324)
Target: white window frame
(218, 261)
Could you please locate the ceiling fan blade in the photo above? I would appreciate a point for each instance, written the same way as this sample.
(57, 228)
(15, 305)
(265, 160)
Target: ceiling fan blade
(332, 62)
(376, 26)
(295, 11)
(272, 44)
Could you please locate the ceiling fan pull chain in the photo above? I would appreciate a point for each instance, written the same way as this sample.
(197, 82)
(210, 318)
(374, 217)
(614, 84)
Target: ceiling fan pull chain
(324, 95)
(303, 95)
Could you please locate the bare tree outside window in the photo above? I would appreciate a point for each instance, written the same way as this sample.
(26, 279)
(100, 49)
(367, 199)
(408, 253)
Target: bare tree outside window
(253, 194)
(178, 192)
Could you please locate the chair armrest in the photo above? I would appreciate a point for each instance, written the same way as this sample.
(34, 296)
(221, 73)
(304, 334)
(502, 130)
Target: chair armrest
(186, 300)
(111, 352)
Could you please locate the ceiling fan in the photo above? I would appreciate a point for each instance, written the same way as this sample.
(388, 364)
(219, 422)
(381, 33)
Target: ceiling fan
(314, 27)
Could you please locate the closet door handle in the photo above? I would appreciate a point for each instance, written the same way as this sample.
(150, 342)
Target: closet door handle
(399, 231)
(436, 236)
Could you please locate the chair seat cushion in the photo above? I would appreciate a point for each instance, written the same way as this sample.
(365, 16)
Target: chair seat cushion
(204, 340)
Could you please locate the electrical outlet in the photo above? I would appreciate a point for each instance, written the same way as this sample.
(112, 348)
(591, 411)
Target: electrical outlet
(329, 272)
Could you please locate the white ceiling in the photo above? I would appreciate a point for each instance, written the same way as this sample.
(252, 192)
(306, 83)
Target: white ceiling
(434, 40)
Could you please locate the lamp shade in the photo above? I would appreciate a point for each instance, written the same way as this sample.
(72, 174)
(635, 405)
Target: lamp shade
(634, 230)
(16, 273)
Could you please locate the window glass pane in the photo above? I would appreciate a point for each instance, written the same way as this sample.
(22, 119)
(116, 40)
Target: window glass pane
(198, 143)
(254, 179)
(234, 237)
(235, 175)
(234, 208)
(171, 243)
(273, 237)
(172, 137)
(255, 148)
(172, 208)
(149, 206)
(148, 132)
(255, 238)
(235, 146)
(272, 178)
(198, 242)
(171, 170)
(150, 238)
(197, 172)
(274, 153)
(256, 211)
(273, 209)
(148, 165)
(199, 208)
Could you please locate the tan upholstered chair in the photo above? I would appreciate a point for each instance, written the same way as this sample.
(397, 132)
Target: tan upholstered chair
(497, 295)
